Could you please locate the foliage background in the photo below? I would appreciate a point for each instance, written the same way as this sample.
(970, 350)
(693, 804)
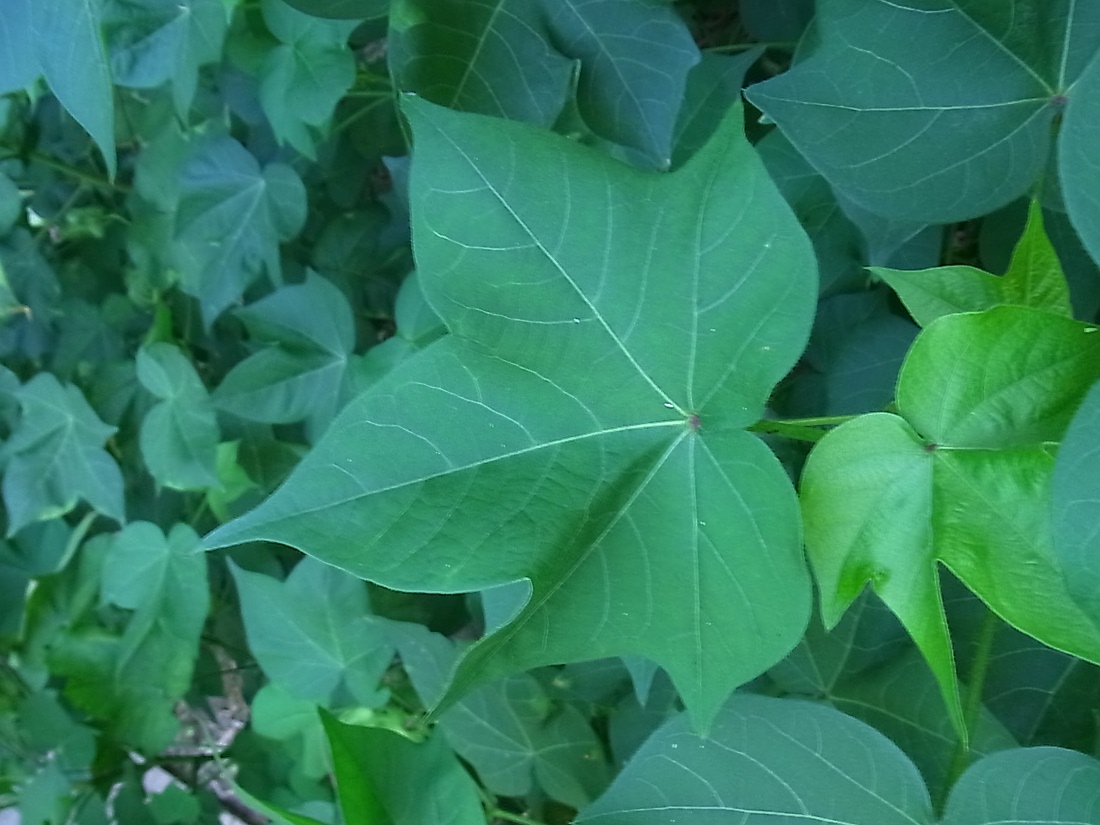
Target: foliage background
(519, 381)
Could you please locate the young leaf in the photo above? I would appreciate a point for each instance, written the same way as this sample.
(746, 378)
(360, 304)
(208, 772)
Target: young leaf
(314, 634)
(179, 436)
(302, 373)
(766, 761)
(383, 777)
(583, 426)
(70, 51)
(909, 132)
(55, 457)
(1034, 279)
(151, 42)
(960, 479)
(232, 215)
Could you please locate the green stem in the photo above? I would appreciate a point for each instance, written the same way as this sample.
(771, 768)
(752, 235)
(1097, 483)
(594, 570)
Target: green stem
(74, 172)
(508, 816)
(785, 45)
(800, 429)
(974, 688)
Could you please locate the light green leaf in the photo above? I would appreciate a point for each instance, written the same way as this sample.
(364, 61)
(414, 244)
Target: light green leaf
(301, 373)
(962, 479)
(292, 721)
(1075, 496)
(507, 730)
(766, 761)
(512, 59)
(582, 426)
(70, 50)
(1034, 279)
(152, 42)
(179, 436)
(1079, 169)
(384, 778)
(887, 108)
(136, 680)
(314, 635)
(1033, 786)
(232, 215)
(304, 77)
(55, 457)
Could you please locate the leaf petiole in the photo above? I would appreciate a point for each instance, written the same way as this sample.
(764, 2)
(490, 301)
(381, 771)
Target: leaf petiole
(800, 429)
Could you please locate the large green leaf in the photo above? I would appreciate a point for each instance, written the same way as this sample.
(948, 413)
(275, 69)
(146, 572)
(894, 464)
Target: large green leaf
(385, 779)
(1079, 170)
(55, 457)
(179, 435)
(18, 63)
(301, 373)
(1036, 786)
(582, 428)
(70, 51)
(231, 217)
(135, 680)
(1075, 497)
(304, 77)
(961, 478)
(766, 761)
(314, 634)
(512, 58)
(888, 106)
(152, 42)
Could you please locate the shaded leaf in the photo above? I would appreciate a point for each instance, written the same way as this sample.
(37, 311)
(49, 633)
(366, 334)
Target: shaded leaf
(582, 426)
(342, 9)
(55, 457)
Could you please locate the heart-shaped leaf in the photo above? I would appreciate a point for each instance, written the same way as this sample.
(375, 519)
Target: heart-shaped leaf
(582, 428)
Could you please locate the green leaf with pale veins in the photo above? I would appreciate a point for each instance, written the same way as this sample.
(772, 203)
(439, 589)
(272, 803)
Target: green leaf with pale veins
(305, 76)
(55, 457)
(1079, 167)
(231, 217)
(314, 634)
(179, 436)
(136, 679)
(70, 50)
(151, 42)
(939, 110)
(512, 58)
(961, 478)
(582, 428)
(300, 373)
(766, 761)
(1034, 279)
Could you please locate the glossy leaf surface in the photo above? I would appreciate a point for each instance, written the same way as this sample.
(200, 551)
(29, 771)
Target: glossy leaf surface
(640, 502)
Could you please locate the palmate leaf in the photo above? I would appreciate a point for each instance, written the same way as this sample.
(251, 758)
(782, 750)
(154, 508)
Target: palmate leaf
(889, 108)
(779, 760)
(961, 477)
(514, 58)
(582, 428)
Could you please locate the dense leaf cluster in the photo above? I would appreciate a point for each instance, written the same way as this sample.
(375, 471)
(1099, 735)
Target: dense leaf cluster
(536, 411)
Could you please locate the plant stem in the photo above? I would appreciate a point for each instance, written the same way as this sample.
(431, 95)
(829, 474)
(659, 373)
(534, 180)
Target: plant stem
(800, 429)
(508, 816)
(74, 172)
(974, 688)
(785, 45)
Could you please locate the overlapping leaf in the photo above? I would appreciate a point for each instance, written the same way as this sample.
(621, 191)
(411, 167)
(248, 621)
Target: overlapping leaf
(960, 478)
(179, 435)
(513, 59)
(231, 217)
(582, 428)
(942, 110)
(55, 457)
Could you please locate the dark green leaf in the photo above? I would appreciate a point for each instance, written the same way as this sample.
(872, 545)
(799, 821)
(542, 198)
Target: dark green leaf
(562, 416)
(55, 457)
(342, 9)
(1079, 172)
(179, 436)
(713, 86)
(314, 634)
(232, 215)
